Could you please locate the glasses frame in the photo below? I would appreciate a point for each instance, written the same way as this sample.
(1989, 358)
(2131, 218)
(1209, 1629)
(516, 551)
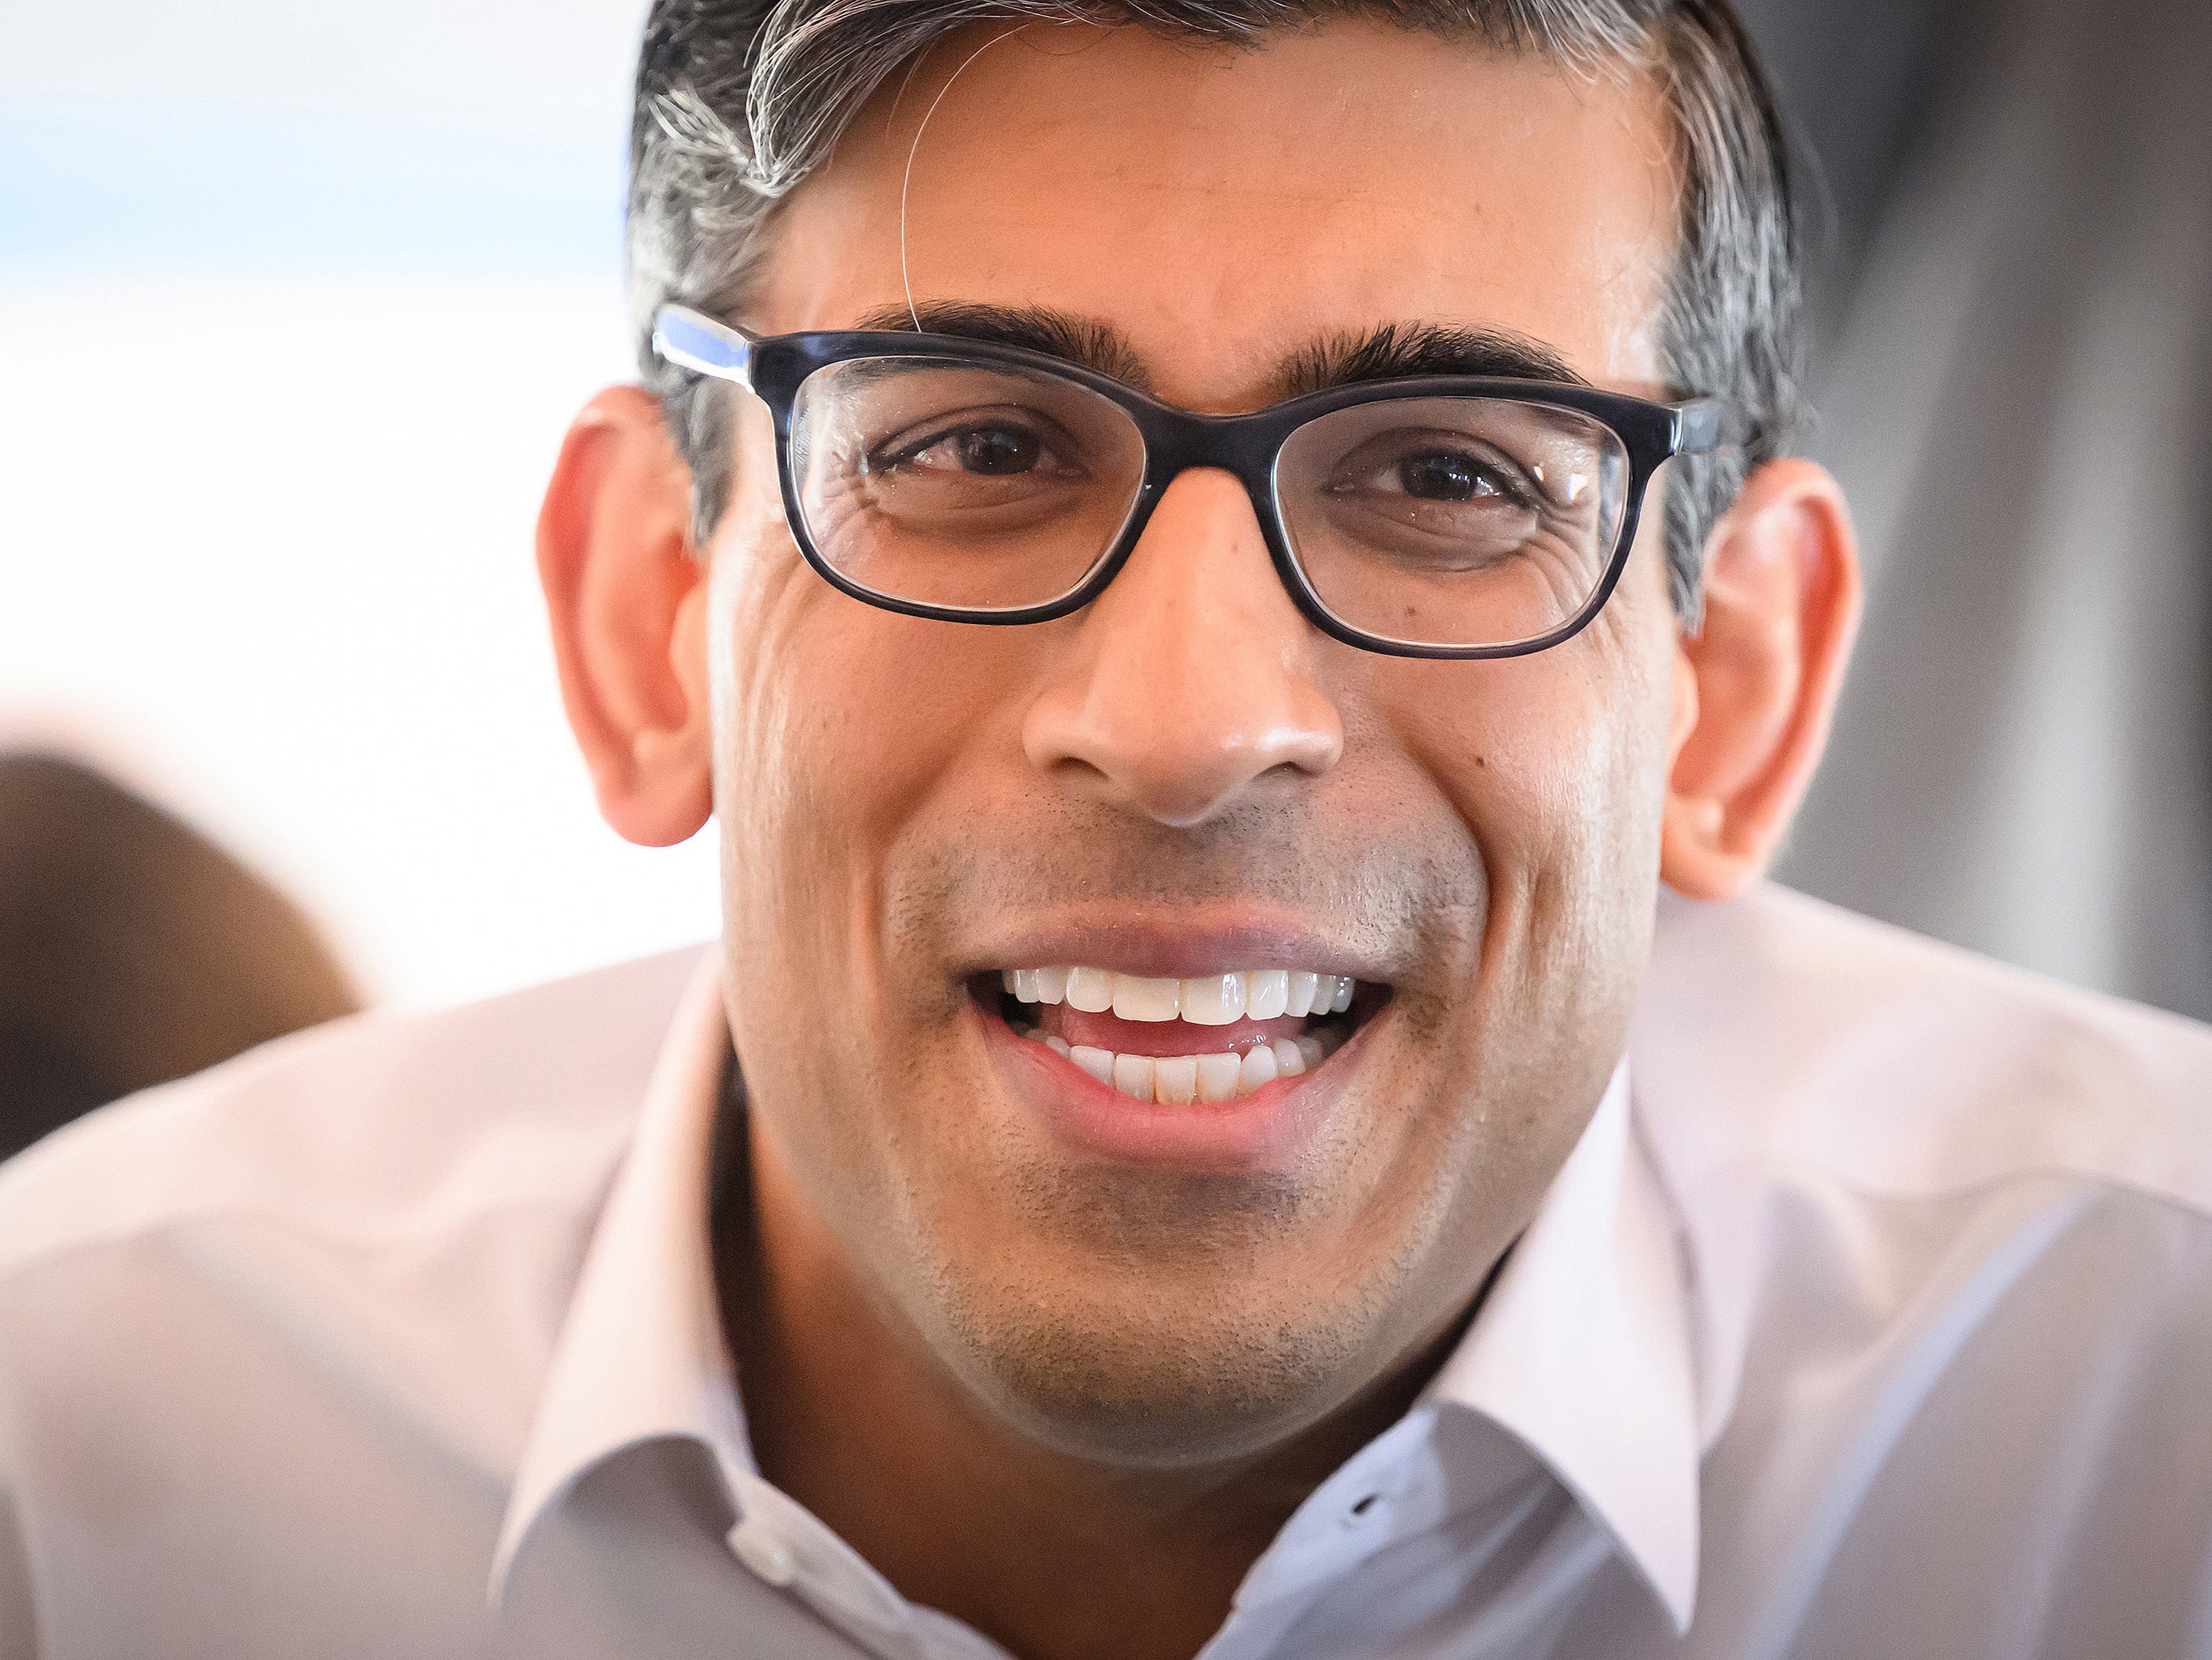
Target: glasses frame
(773, 368)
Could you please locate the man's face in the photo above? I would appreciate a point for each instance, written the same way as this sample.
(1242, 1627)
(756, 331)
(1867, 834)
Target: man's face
(1186, 779)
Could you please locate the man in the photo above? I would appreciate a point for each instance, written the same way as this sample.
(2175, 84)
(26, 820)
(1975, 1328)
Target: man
(1147, 530)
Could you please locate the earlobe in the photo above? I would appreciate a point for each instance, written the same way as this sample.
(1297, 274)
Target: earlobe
(624, 594)
(1756, 685)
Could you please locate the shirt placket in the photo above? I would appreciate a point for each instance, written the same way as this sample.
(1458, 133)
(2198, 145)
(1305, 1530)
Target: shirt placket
(791, 1550)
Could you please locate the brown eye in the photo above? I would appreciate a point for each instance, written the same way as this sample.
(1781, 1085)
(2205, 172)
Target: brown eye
(995, 450)
(985, 449)
(1444, 475)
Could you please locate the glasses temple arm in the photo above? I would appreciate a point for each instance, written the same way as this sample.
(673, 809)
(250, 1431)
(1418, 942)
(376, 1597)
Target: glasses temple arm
(1706, 425)
(695, 341)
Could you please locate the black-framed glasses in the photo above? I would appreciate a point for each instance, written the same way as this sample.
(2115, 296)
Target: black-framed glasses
(1444, 516)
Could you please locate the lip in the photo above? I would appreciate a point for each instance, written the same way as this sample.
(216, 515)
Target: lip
(1183, 947)
(1254, 1132)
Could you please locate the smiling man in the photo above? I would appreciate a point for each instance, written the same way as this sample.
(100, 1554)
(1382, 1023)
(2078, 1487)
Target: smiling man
(1209, 562)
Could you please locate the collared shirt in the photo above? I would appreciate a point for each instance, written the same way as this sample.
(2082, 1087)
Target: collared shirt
(1872, 1314)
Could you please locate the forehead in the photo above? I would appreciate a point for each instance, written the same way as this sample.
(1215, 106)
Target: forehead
(1221, 207)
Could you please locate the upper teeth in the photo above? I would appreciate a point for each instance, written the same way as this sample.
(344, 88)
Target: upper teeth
(1213, 1000)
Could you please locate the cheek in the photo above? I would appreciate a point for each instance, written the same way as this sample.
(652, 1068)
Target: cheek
(843, 733)
(1525, 751)
(814, 762)
(833, 722)
(1555, 765)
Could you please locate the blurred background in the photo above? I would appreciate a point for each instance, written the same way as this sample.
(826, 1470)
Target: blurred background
(2014, 378)
(296, 302)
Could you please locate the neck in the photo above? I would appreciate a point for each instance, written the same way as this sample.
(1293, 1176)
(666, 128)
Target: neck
(1053, 1557)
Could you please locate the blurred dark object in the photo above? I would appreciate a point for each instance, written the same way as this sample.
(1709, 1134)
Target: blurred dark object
(132, 949)
(2014, 383)
(1861, 85)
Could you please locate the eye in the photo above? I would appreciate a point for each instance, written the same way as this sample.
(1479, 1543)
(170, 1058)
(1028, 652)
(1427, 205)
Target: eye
(1434, 468)
(1444, 475)
(1451, 476)
(994, 449)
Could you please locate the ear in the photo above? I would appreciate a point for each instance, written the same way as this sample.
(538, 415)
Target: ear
(626, 594)
(1756, 686)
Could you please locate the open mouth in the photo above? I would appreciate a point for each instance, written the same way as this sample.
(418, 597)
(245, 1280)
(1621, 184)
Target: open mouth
(1186, 1042)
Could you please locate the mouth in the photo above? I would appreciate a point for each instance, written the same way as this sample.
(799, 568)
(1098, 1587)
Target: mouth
(1187, 1045)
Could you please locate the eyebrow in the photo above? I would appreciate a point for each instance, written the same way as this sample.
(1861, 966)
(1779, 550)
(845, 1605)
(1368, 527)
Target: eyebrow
(1387, 351)
(1398, 351)
(1082, 341)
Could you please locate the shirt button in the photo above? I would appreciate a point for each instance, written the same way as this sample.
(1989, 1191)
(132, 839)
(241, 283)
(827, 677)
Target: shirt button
(1362, 1511)
(764, 1553)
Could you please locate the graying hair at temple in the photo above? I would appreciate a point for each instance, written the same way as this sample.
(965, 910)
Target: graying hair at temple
(738, 101)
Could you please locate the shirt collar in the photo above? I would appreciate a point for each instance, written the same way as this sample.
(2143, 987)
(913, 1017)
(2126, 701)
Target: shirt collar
(1581, 1348)
(642, 1355)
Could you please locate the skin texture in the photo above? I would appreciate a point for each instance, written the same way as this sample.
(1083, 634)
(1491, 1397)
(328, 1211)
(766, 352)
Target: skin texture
(1066, 1398)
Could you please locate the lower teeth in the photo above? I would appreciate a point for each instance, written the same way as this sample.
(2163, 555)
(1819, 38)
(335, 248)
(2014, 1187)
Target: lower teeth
(1179, 1079)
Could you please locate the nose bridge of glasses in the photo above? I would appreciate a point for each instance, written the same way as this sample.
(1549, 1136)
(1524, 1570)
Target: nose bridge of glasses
(1199, 544)
(1235, 453)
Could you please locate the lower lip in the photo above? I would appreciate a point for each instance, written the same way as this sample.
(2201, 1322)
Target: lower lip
(1252, 1131)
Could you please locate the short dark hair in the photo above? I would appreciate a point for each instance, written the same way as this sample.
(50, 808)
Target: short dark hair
(739, 100)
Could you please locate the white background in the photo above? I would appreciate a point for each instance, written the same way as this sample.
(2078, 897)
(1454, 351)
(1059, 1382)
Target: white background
(296, 302)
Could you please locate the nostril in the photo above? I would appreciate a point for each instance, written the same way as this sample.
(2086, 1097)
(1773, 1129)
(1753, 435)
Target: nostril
(1182, 762)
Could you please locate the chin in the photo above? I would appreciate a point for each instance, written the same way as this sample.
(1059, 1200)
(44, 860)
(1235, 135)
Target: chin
(1156, 1375)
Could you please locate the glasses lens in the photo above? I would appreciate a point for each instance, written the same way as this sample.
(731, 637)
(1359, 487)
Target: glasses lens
(1453, 521)
(961, 484)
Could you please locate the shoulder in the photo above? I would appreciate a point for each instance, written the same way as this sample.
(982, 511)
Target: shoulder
(1947, 1228)
(1781, 1033)
(381, 1126)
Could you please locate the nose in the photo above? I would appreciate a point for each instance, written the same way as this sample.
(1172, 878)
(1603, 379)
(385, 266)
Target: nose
(1190, 687)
